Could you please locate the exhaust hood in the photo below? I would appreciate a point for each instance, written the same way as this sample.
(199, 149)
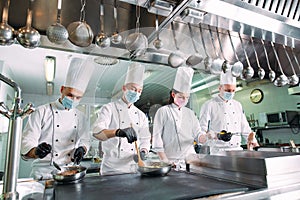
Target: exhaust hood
(294, 90)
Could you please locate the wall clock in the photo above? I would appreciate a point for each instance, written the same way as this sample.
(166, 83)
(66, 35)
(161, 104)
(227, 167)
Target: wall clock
(256, 96)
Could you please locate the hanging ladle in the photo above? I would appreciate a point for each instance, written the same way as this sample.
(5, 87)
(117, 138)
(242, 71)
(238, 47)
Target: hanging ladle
(248, 71)
(207, 60)
(27, 36)
(261, 72)
(225, 66)
(80, 33)
(272, 74)
(102, 40)
(157, 42)
(217, 64)
(116, 38)
(175, 59)
(196, 58)
(6, 31)
(56, 32)
(295, 58)
(282, 80)
(237, 67)
(294, 79)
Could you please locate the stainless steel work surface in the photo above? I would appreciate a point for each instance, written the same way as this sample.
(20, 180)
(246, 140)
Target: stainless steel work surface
(176, 185)
(266, 169)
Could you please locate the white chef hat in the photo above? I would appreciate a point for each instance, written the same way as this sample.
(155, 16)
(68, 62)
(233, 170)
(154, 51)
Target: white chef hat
(183, 79)
(78, 75)
(227, 78)
(135, 74)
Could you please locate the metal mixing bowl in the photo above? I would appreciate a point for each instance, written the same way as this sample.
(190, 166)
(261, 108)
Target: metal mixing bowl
(155, 169)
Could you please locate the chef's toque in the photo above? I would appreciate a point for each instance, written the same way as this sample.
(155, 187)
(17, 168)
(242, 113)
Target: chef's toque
(183, 79)
(78, 75)
(227, 78)
(135, 74)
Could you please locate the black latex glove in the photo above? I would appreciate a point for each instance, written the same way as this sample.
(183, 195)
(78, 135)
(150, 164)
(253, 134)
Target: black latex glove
(78, 155)
(129, 133)
(142, 154)
(42, 150)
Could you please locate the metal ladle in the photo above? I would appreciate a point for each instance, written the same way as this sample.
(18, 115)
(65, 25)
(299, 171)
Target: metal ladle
(175, 59)
(295, 58)
(216, 66)
(248, 71)
(261, 72)
(116, 38)
(102, 40)
(196, 58)
(80, 33)
(294, 79)
(157, 42)
(136, 43)
(237, 67)
(27, 36)
(225, 66)
(272, 74)
(282, 80)
(6, 31)
(207, 59)
(56, 32)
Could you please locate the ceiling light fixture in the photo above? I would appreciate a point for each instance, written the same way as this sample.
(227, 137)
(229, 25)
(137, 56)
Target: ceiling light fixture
(192, 16)
(160, 7)
(50, 67)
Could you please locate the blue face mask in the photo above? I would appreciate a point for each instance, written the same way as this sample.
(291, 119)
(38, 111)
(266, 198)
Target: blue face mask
(69, 103)
(228, 95)
(132, 96)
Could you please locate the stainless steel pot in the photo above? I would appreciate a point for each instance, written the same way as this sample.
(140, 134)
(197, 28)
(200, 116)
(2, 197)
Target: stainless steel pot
(63, 176)
(155, 169)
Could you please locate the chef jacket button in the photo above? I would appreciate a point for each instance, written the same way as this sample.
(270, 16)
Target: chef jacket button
(233, 112)
(120, 109)
(137, 123)
(72, 140)
(235, 122)
(56, 154)
(225, 113)
(57, 125)
(75, 126)
(135, 113)
(56, 140)
(227, 123)
(56, 112)
(69, 154)
(122, 122)
(75, 114)
(121, 149)
(131, 149)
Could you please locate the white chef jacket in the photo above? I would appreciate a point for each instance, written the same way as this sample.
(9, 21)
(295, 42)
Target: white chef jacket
(117, 152)
(174, 131)
(217, 115)
(64, 130)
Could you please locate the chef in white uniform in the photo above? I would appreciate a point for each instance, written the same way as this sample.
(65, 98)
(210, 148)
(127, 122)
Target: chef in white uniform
(120, 123)
(57, 131)
(175, 126)
(224, 113)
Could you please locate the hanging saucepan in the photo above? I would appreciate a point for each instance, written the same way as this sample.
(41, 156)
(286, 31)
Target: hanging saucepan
(248, 71)
(6, 31)
(294, 79)
(80, 33)
(27, 36)
(237, 67)
(175, 59)
(216, 66)
(282, 80)
(225, 66)
(261, 72)
(207, 60)
(136, 43)
(102, 40)
(272, 74)
(196, 58)
(56, 32)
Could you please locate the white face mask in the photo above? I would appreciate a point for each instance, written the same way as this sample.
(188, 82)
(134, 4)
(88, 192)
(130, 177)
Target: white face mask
(180, 101)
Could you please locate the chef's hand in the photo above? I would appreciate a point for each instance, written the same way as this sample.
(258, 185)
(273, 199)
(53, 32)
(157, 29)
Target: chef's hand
(142, 154)
(78, 155)
(252, 141)
(42, 150)
(129, 133)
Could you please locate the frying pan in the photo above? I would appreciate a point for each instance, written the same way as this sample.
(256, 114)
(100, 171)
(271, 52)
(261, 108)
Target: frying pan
(155, 169)
(62, 177)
